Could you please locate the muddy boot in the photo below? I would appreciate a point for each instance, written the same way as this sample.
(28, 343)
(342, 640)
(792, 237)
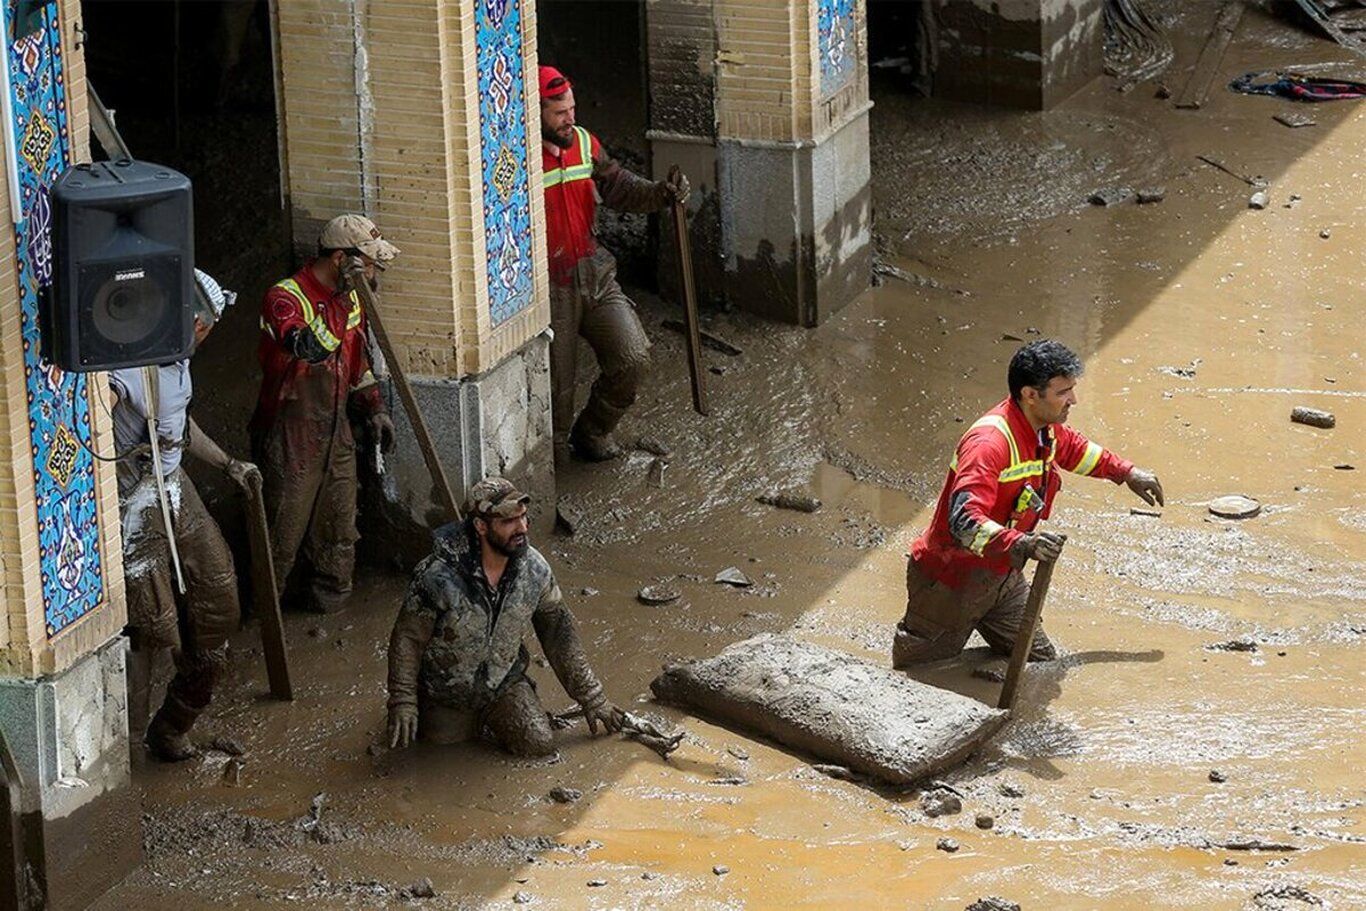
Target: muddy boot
(594, 448)
(168, 736)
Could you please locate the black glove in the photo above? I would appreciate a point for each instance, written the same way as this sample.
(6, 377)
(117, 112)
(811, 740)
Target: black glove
(302, 343)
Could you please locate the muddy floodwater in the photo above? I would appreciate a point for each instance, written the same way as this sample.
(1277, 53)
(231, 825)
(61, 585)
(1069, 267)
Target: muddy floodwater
(1200, 743)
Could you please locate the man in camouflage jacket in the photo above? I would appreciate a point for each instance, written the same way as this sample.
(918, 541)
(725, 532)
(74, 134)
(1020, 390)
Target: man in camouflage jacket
(457, 663)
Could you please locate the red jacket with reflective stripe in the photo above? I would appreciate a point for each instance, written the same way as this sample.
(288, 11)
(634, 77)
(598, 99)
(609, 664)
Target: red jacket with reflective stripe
(1001, 484)
(339, 316)
(571, 203)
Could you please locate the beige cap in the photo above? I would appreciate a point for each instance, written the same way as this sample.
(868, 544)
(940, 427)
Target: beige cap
(356, 232)
(495, 497)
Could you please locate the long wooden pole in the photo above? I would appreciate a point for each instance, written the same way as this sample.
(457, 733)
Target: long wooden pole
(693, 330)
(355, 273)
(266, 594)
(1024, 640)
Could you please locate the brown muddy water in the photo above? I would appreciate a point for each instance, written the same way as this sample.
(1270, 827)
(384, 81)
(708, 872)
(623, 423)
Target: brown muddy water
(1203, 323)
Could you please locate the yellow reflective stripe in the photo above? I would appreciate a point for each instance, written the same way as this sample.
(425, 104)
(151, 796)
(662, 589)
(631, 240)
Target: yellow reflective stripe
(1022, 470)
(353, 318)
(305, 305)
(265, 327)
(316, 324)
(581, 171)
(323, 334)
(985, 532)
(1090, 459)
(993, 420)
(367, 379)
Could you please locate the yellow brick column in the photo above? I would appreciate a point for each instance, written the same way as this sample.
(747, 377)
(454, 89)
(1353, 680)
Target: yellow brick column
(423, 115)
(63, 708)
(773, 96)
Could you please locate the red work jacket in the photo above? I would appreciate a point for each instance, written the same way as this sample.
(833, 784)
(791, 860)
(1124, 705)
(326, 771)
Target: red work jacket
(1003, 478)
(292, 387)
(571, 203)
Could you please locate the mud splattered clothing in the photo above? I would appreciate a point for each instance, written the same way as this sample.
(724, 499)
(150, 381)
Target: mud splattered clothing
(197, 624)
(301, 434)
(456, 652)
(585, 298)
(1001, 483)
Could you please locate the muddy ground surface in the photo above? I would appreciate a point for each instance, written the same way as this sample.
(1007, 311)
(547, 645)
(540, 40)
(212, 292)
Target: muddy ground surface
(1203, 323)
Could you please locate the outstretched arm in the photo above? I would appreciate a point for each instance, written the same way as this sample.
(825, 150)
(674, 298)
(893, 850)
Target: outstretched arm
(627, 192)
(203, 447)
(559, 637)
(1081, 456)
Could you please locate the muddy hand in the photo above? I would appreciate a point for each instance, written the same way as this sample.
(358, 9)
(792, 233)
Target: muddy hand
(382, 431)
(1146, 485)
(1043, 546)
(608, 715)
(677, 188)
(244, 474)
(402, 726)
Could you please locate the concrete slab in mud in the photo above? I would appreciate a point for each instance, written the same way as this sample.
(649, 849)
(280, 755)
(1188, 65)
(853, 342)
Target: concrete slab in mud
(833, 706)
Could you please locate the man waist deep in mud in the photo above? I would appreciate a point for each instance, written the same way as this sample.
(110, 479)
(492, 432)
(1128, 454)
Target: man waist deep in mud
(964, 570)
(456, 660)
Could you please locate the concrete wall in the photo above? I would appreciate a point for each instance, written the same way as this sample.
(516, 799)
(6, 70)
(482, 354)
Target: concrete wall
(1017, 53)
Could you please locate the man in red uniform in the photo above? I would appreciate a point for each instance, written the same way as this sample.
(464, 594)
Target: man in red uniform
(316, 363)
(964, 570)
(585, 298)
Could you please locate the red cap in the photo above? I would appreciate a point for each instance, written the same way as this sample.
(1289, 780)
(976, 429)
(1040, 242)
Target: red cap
(548, 75)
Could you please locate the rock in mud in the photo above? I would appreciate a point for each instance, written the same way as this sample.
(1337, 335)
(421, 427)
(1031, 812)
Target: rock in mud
(985, 821)
(225, 744)
(1149, 196)
(720, 869)
(565, 795)
(834, 706)
(1313, 417)
(654, 447)
(521, 898)
(1234, 506)
(658, 594)
(1294, 120)
(731, 575)
(423, 888)
(1326, 233)
(596, 883)
(993, 674)
(1256, 844)
(992, 903)
(1259, 200)
(947, 844)
(568, 517)
(1110, 196)
(1280, 898)
(656, 472)
(1233, 645)
(790, 499)
(1217, 776)
(1008, 789)
(940, 803)
(739, 753)
(232, 772)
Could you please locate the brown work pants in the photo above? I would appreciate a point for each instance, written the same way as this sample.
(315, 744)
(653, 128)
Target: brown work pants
(593, 305)
(516, 719)
(310, 494)
(194, 626)
(940, 619)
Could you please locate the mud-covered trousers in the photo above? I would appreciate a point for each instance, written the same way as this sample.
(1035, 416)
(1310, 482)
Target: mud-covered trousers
(940, 619)
(308, 470)
(516, 720)
(196, 625)
(592, 305)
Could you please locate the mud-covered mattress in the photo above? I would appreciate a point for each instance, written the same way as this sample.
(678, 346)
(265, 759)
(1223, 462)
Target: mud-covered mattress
(833, 706)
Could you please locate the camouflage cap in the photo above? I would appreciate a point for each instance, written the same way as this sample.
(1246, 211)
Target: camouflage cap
(495, 497)
(356, 232)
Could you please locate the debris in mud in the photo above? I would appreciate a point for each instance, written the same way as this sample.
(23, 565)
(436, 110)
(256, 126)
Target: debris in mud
(1163, 91)
(1234, 506)
(730, 780)
(1313, 417)
(1326, 233)
(1259, 200)
(992, 903)
(654, 447)
(1186, 373)
(1005, 337)
(739, 753)
(562, 794)
(648, 734)
(656, 472)
(1233, 645)
(1292, 201)
(720, 869)
(949, 845)
(659, 594)
(1219, 165)
(1149, 513)
(225, 744)
(988, 672)
(1110, 196)
(1344, 466)
(839, 708)
(1255, 844)
(731, 575)
(881, 269)
(1277, 898)
(589, 592)
(423, 888)
(985, 821)
(790, 499)
(940, 803)
(521, 898)
(842, 773)
(1151, 195)
(568, 517)
(1215, 775)
(232, 772)
(1294, 120)
(714, 342)
(1010, 789)
(596, 883)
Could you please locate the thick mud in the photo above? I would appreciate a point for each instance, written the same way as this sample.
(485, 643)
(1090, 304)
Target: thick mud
(1153, 766)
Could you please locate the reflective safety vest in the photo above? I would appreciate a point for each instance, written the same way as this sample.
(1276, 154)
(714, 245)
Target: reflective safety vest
(571, 204)
(314, 320)
(581, 171)
(1001, 498)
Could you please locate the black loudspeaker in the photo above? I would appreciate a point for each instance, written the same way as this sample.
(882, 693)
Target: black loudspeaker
(122, 290)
